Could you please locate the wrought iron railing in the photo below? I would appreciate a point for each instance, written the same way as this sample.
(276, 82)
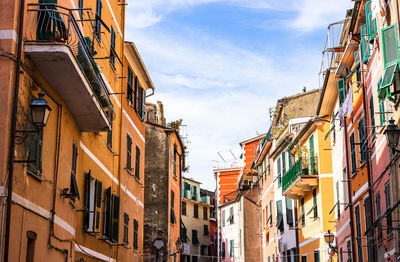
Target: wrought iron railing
(50, 23)
(301, 167)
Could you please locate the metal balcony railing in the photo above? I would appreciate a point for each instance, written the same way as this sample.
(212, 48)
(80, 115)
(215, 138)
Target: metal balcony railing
(53, 24)
(300, 168)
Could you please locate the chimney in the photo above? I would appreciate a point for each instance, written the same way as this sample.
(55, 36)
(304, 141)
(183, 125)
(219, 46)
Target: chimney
(304, 89)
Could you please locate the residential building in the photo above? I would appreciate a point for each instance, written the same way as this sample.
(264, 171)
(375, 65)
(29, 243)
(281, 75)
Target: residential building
(230, 237)
(164, 164)
(196, 213)
(291, 113)
(75, 159)
(265, 182)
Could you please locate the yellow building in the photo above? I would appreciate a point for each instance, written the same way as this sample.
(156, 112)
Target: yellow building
(196, 211)
(309, 181)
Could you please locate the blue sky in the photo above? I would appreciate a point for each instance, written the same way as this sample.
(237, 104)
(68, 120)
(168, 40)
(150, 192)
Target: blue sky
(221, 64)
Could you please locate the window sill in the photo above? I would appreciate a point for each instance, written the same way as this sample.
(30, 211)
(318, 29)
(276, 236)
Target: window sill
(129, 170)
(33, 174)
(137, 180)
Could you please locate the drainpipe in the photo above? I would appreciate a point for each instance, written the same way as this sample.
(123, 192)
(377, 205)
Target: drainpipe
(369, 171)
(346, 142)
(11, 150)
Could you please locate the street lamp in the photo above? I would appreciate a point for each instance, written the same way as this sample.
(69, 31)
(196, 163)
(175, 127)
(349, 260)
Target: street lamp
(329, 238)
(40, 111)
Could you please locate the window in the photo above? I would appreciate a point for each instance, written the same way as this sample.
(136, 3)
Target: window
(80, 6)
(193, 190)
(382, 112)
(137, 163)
(337, 200)
(128, 153)
(372, 115)
(341, 254)
(232, 248)
(353, 153)
(349, 251)
(316, 256)
(173, 218)
(195, 240)
(362, 139)
(93, 192)
(231, 218)
(205, 213)
(283, 163)
(112, 48)
(303, 258)
(126, 227)
(289, 211)
(223, 250)
(303, 212)
(312, 155)
(341, 90)
(279, 215)
(206, 232)
(74, 192)
(388, 206)
(194, 258)
(184, 208)
(30, 247)
(130, 86)
(196, 211)
(378, 215)
(371, 22)
(97, 22)
(35, 152)
(315, 205)
(111, 216)
(368, 223)
(137, 94)
(135, 234)
(278, 163)
(223, 218)
(174, 169)
(358, 234)
(109, 137)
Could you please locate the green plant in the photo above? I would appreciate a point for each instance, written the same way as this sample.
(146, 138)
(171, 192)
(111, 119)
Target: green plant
(175, 124)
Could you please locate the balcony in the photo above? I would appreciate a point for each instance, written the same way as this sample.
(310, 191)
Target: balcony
(57, 47)
(301, 178)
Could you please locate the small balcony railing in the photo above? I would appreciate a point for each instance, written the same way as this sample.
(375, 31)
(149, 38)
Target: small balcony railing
(55, 25)
(302, 168)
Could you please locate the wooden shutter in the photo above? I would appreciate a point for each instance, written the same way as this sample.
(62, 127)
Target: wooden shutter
(136, 94)
(35, 152)
(128, 152)
(353, 153)
(87, 202)
(130, 85)
(390, 45)
(143, 103)
(137, 163)
(341, 90)
(126, 228)
(135, 233)
(115, 218)
(99, 7)
(98, 205)
(107, 213)
(364, 43)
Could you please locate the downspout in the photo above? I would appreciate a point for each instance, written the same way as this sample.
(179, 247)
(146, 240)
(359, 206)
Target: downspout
(346, 141)
(369, 171)
(11, 150)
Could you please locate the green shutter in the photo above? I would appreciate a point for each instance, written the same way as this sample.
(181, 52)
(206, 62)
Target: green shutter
(364, 43)
(130, 85)
(353, 154)
(98, 192)
(35, 152)
(381, 92)
(107, 213)
(128, 152)
(388, 75)
(372, 114)
(341, 90)
(143, 103)
(371, 22)
(362, 139)
(357, 57)
(283, 163)
(137, 94)
(382, 117)
(390, 45)
(115, 218)
(312, 155)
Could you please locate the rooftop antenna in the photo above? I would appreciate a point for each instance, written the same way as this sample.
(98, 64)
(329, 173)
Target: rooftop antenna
(232, 154)
(221, 157)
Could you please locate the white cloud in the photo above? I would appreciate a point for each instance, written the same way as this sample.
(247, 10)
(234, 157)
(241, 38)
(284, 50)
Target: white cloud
(314, 14)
